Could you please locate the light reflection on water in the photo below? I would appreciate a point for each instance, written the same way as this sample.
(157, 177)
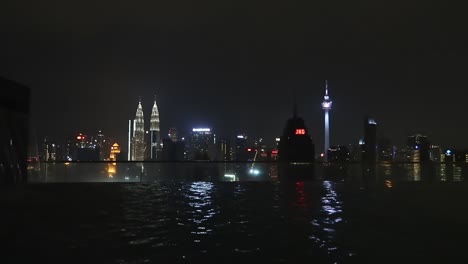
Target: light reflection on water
(332, 218)
(283, 221)
(264, 221)
(155, 172)
(200, 200)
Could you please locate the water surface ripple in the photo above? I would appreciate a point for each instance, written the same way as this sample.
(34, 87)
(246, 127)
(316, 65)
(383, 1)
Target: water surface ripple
(265, 221)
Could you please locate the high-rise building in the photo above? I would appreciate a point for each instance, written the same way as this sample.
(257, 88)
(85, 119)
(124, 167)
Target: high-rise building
(369, 153)
(435, 153)
(419, 146)
(155, 132)
(172, 151)
(295, 144)
(138, 137)
(83, 149)
(223, 150)
(386, 150)
(200, 141)
(240, 146)
(102, 145)
(326, 105)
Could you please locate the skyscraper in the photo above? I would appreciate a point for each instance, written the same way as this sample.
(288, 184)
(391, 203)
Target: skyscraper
(419, 146)
(326, 105)
(200, 141)
(155, 132)
(138, 140)
(296, 144)
(369, 154)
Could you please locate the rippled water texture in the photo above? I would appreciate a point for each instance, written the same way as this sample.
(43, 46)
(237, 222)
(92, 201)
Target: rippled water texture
(268, 222)
(232, 222)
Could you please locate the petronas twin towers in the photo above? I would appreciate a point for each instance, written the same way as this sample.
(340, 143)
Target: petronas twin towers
(139, 145)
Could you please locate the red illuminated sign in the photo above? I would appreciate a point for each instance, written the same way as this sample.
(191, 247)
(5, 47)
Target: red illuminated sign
(274, 152)
(300, 131)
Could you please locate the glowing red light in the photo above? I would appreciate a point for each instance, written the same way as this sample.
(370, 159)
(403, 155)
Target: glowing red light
(78, 137)
(274, 152)
(300, 131)
(249, 149)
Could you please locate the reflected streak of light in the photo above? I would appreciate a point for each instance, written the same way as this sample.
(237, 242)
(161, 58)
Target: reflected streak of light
(388, 183)
(201, 200)
(332, 207)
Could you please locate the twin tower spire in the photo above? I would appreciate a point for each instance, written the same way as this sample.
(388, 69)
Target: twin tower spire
(141, 148)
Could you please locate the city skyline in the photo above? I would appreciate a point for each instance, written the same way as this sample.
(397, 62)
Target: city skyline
(225, 63)
(318, 138)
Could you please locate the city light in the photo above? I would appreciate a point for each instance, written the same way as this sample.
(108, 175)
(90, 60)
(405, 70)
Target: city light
(201, 130)
(233, 176)
(240, 136)
(300, 131)
(254, 171)
(326, 105)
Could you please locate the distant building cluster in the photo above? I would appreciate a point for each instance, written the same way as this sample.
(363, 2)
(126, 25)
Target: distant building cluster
(80, 147)
(146, 143)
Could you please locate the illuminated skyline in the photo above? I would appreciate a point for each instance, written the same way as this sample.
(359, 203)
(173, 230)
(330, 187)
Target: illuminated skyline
(210, 65)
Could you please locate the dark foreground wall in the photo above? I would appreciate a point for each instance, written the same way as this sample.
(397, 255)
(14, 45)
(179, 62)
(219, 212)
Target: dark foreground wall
(14, 131)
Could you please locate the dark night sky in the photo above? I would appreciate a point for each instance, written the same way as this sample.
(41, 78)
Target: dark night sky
(235, 65)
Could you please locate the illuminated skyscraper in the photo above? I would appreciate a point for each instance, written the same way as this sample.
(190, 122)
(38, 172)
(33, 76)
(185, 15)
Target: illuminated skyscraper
(138, 140)
(155, 132)
(326, 105)
(200, 140)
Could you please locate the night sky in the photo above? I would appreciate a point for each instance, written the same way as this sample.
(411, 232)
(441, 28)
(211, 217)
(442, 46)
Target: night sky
(234, 66)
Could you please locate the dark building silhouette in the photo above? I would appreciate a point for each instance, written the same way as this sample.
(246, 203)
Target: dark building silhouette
(369, 150)
(86, 154)
(338, 154)
(14, 132)
(386, 149)
(223, 150)
(295, 144)
(240, 146)
(419, 146)
(172, 151)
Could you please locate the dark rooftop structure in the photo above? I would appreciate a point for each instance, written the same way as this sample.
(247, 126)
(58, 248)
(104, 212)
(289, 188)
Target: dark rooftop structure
(14, 132)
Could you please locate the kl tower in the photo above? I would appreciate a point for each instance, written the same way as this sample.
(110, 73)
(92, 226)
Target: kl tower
(326, 105)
